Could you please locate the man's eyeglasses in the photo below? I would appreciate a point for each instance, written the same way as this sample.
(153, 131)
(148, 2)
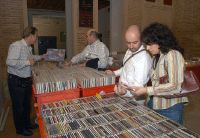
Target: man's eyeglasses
(132, 43)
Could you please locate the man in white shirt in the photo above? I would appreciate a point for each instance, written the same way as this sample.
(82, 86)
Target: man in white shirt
(95, 54)
(19, 62)
(136, 63)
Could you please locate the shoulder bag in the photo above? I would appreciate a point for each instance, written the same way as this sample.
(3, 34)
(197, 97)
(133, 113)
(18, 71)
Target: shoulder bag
(190, 84)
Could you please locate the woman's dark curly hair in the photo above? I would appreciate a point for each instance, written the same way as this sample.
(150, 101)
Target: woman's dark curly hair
(160, 34)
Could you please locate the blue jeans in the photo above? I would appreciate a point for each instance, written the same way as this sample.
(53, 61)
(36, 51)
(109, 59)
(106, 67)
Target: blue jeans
(174, 113)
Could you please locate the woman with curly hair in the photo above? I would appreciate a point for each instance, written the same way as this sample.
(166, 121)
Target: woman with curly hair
(167, 61)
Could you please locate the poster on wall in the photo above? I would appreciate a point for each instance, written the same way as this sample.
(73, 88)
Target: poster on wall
(45, 42)
(86, 13)
(151, 0)
(167, 2)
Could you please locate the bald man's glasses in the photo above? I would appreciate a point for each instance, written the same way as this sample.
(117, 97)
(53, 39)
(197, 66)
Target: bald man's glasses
(132, 43)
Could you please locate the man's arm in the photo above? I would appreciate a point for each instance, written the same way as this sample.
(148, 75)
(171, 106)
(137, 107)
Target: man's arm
(37, 57)
(79, 57)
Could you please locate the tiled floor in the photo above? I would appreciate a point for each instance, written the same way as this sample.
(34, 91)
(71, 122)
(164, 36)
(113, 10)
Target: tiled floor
(191, 119)
(9, 131)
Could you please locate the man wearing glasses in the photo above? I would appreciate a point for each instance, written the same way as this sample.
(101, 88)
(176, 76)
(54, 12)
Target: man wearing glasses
(95, 54)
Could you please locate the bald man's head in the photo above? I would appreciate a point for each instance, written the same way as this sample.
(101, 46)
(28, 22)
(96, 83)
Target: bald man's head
(91, 36)
(132, 38)
(91, 30)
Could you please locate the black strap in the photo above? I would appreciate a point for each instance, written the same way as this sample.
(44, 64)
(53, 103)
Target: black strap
(132, 56)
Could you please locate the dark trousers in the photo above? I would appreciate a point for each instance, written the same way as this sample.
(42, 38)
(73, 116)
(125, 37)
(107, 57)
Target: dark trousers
(20, 93)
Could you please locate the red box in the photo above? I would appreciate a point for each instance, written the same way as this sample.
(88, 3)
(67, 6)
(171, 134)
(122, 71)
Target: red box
(85, 92)
(40, 99)
(52, 97)
(55, 96)
(41, 128)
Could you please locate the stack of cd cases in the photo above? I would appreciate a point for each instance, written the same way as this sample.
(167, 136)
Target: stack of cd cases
(110, 116)
(88, 77)
(51, 77)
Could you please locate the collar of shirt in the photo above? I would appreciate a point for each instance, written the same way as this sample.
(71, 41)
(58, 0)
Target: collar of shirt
(24, 42)
(95, 43)
(141, 48)
(161, 57)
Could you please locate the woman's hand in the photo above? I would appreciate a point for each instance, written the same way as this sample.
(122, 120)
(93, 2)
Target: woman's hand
(138, 90)
(119, 90)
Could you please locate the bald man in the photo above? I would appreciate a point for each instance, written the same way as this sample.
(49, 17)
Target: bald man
(95, 54)
(136, 63)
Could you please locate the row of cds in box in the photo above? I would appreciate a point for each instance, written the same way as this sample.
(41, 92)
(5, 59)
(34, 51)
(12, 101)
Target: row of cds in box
(137, 133)
(85, 106)
(51, 81)
(115, 130)
(77, 107)
(130, 127)
(109, 98)
(93, 121)
(111, 112)
(107, 117)
(88, 78)
(50, 78)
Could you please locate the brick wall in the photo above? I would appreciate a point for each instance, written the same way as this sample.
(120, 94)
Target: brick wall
(134, 10)
(142, 13)
(156, 12)
(79, 39)
(186, 25)
(11, 26)
(182, 17)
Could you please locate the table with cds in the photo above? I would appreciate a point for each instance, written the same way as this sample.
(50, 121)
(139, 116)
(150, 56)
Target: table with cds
(109, 116)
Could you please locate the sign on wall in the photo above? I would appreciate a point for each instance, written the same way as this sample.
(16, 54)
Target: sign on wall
(86, 13)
